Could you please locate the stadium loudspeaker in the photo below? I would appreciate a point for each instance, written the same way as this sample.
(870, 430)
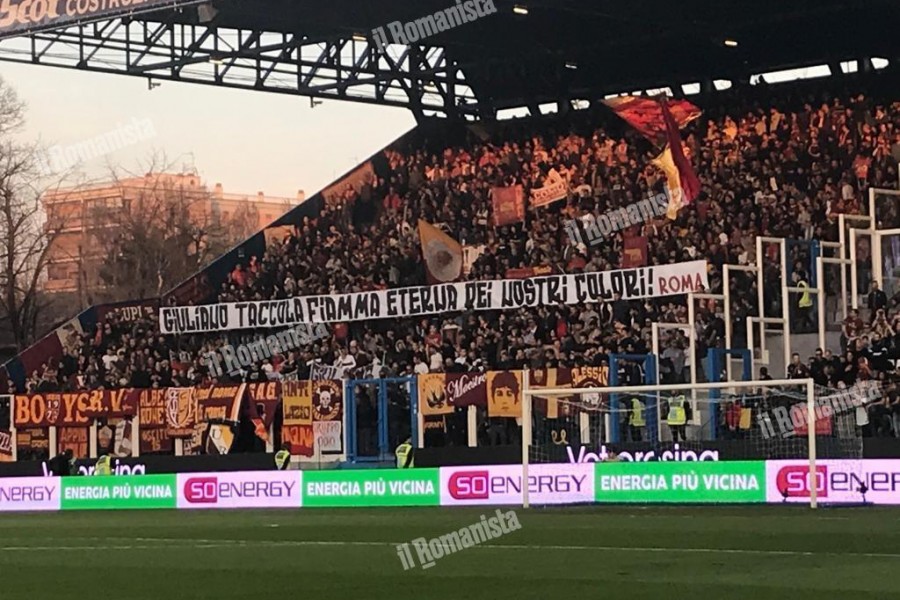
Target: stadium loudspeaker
(206, 12)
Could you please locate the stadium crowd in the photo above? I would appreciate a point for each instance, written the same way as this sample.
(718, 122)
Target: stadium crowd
(780, 164)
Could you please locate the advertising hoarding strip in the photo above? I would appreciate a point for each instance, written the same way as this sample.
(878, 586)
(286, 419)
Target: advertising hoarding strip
(118, 492)
(375, 487)
(839, 481)
(682, 483)
(249, 489)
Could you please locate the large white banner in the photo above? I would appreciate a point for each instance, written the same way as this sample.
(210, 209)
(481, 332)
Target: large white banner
(578, 288)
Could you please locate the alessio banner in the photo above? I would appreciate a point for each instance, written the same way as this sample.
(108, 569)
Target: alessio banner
(501, 294)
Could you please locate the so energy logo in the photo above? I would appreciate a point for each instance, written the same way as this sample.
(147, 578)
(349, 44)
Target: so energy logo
(263, 489)
(499, 485)
(835, 481)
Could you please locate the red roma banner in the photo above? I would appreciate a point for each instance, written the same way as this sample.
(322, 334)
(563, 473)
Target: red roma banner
(113, 404)
(634, 252)
(74, 439)
(155, 441)
(526, 272)
(300, 437)
(181, 412)
(36, 410)
(220, 402)
(466, 389)
(32, 440)
(550, 378)
(509, 205)
(264, 399)
(504, 393)
(152, 410)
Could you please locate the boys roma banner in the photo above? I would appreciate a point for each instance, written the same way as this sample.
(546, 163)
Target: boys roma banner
(72, 409)
(501, 294)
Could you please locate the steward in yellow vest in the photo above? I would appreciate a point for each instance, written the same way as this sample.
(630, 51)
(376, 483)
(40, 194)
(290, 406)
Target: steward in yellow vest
(404, 453)
(283, 458)
(636, 419)
(677, 417)
(103, 466)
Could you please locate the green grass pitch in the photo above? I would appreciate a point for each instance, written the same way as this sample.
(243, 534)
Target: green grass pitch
(559, 553)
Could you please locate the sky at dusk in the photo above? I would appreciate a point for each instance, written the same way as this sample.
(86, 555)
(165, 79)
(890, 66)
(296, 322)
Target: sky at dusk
(247, 141)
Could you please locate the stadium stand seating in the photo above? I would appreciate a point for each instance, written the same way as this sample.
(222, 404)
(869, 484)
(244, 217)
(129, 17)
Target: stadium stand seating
(774, 162)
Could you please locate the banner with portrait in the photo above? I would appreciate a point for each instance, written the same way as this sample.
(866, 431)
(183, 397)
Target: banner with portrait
(504, 390)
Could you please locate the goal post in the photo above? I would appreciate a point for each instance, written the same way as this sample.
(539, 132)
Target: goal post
(764, 429)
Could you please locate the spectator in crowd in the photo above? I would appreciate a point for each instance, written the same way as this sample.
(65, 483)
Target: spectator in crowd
(787, 171)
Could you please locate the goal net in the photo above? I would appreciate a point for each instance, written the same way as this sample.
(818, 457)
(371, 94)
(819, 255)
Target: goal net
(793, 421)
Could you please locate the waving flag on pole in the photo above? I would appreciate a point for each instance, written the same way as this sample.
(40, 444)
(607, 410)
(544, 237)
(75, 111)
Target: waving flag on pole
(443, 255)
(682, 180)
(647, 116)
(659, 120)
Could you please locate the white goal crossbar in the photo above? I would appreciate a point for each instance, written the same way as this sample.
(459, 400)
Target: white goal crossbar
(528, 393)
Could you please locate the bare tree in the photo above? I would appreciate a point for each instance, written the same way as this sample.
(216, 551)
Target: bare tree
(164, 233)
(24, 236)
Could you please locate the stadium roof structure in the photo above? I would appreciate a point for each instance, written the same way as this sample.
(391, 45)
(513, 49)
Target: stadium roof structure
(528, 53)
